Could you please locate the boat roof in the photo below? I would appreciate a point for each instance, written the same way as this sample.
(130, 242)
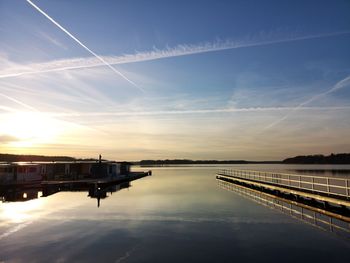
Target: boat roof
(58, 162)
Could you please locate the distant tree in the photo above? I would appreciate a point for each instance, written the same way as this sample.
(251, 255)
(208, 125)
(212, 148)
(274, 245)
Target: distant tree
(340, 158)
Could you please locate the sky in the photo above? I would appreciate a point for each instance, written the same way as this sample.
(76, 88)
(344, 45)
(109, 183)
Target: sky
(132, 80)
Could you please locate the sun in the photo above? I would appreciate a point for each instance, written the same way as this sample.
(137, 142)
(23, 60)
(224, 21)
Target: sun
(30, 128)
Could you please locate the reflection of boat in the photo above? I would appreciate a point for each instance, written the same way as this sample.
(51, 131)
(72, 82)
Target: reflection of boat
(317, 217)
(26, 193)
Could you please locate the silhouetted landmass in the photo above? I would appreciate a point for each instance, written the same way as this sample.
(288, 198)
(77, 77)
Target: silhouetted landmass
(340, 158)
(39, 158)
(186, 161)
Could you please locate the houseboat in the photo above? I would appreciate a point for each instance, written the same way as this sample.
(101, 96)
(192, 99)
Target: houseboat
(20, 173)
(31, 173)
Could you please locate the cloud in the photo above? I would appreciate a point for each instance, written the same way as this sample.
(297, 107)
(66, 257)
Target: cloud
(155, 54)
(7, 138)
(52, 40)
(7, 109)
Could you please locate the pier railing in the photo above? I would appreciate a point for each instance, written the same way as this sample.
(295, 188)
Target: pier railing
(339, 187)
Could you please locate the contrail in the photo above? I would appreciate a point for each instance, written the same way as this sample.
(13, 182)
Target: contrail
(18, 102)
(177, 51)
(81, 44)
(183, 112)
(339, 85)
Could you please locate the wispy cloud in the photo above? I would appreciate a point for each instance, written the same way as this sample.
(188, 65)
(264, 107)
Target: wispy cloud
(101, 59)
(7, 109)
(339, 85)
(7, 138)
(155, 54)
(52, 40)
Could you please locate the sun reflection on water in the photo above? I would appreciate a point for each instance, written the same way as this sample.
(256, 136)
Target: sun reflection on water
(18, 212)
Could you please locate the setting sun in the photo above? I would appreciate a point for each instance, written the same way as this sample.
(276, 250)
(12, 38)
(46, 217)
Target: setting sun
(28, 128)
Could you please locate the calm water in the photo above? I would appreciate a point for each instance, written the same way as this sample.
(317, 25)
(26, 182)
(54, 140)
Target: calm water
(179, 214)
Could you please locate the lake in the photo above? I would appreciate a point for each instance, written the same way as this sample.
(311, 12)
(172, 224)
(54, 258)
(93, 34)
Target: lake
(179, 214)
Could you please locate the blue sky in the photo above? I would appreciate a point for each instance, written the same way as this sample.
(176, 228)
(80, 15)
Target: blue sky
(214, 79)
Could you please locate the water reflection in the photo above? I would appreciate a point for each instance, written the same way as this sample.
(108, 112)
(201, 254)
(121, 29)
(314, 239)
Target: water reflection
(319, 218)
(22, 194)
(99, 193)
(333, 172)
(177, 215)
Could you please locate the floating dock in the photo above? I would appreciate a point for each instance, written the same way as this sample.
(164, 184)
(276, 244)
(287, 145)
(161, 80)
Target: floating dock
(103, 182)
(330, 191)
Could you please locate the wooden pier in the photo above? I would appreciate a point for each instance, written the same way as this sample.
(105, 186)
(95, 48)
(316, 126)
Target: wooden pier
(328, 190)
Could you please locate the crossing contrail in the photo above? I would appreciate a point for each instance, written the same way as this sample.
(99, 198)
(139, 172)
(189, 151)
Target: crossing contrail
(81, 44)
(18, 102)
(339, 85)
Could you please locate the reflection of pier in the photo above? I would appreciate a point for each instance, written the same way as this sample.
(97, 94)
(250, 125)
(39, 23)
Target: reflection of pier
(96, 188)
(102, 193)
(320, 218)
(328, 190)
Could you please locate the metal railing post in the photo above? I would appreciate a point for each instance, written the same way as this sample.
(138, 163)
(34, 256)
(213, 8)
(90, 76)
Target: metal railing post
(323, 185)
(328, 186)
(289, 180)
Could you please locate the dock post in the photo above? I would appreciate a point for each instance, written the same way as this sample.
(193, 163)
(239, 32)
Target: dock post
(302, 213)
(315, 221)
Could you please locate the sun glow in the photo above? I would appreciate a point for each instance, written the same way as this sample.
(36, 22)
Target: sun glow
(29, 128)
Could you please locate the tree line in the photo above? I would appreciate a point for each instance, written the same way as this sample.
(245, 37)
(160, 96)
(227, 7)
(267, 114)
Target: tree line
(340, 158)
